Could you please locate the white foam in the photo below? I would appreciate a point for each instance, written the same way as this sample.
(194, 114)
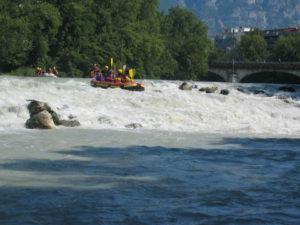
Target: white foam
(161, 107)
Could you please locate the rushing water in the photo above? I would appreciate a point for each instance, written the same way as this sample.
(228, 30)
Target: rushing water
(198, 159)
(161, 107)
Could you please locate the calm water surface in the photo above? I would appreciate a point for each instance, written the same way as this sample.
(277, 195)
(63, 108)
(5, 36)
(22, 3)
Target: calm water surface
(104, 177)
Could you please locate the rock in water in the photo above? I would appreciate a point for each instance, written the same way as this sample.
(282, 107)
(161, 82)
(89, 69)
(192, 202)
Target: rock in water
(224, 92)
(69, 123)
(186, 87)
(35, 107)
(43, 117)
(209, 90)
(259, 92)
(241, 90)
(40, 120)
(105, 120)
(134, 125)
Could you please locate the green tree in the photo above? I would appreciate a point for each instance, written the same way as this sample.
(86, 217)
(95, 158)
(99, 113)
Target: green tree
(218, 54)
(15, 42)
(45, 22)
(287, 48)
(253, 47)
(74, 34)
(186, 38)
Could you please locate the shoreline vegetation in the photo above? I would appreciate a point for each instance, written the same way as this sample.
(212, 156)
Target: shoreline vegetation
(73, 36)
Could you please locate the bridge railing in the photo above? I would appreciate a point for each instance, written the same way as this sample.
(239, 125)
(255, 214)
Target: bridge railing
(255, 65)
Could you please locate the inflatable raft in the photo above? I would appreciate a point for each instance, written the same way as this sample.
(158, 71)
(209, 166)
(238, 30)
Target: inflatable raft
(129, 85)
(47, 75)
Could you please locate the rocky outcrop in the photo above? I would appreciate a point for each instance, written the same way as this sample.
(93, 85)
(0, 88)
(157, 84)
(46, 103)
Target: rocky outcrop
(43, 117)
(186, 86)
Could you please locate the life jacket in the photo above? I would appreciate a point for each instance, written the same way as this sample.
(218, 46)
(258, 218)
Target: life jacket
(131, 73)
(98, 77)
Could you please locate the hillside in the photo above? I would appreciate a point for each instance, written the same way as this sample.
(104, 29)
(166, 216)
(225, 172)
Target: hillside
(221, 14)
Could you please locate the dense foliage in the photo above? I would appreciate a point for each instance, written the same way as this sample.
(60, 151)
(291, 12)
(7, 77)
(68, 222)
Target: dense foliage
(75, 34)
(253, 47)
(287, 48)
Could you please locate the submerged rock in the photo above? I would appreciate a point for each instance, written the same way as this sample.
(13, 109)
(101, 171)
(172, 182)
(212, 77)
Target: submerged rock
(69, 123)
(186, 87)
(259, 92)
(14, 109)
(71, 117)
(134, 125)
(241, 90)
(105, 120)
(287, 89)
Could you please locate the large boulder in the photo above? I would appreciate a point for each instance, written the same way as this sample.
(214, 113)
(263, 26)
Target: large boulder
(43, 117)
(40, 120)
(186, 86)
(35, 107)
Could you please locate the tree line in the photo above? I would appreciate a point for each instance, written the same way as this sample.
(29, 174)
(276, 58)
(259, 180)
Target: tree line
(253, 47)
(74, 34)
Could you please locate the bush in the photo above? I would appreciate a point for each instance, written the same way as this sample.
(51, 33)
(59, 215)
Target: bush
(23, 71)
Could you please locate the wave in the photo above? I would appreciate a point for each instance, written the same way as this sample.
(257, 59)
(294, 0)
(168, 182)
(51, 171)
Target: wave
(161, 107)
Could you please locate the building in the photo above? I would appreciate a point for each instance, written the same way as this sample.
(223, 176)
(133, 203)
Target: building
(272, 35)
(230, 37)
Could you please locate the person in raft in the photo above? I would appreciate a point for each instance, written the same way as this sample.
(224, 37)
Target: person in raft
(96, 70)
(39, 71)
(55, 71)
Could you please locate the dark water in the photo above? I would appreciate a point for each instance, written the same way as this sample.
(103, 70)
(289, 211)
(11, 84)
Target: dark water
(256, 183)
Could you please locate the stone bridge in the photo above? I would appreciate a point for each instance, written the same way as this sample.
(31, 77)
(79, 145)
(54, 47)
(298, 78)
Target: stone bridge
(237, 71)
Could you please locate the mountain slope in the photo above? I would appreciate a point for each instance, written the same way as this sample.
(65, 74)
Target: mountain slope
(221, 14)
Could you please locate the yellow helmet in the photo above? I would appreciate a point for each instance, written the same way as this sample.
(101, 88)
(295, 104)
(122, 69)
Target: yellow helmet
(120, 71)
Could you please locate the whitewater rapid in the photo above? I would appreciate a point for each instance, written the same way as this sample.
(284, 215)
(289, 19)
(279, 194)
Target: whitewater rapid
(162, 107)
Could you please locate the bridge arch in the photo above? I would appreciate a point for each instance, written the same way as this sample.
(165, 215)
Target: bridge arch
(267, 76)
(236, 71)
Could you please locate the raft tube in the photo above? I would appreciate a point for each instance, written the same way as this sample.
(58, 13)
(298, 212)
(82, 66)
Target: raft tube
(131, 86)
